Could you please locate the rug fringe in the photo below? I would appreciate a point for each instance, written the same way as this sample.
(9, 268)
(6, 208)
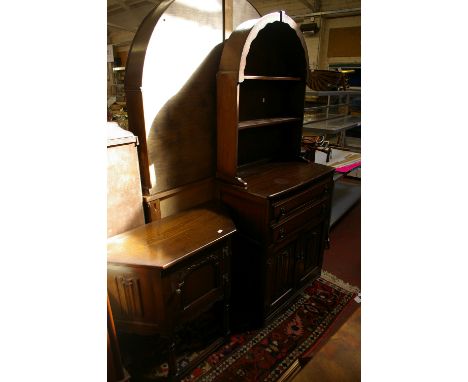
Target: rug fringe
(337, 281)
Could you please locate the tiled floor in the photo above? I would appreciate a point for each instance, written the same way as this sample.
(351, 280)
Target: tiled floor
(339, 358)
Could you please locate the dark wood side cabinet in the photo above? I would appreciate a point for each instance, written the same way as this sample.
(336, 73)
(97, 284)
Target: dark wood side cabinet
(166, 273)
(279, 202)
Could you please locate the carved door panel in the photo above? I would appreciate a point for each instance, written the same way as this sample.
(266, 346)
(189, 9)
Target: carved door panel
(310, 252)
(280, 276)
(200, 283)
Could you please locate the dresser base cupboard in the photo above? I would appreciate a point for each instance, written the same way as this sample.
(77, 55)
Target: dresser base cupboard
(282, 218)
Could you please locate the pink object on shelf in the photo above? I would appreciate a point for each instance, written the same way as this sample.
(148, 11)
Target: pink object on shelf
(348, 167)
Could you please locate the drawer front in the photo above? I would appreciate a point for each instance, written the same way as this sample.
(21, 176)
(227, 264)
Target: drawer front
(201, 282)
(283, 231)
(310, 196)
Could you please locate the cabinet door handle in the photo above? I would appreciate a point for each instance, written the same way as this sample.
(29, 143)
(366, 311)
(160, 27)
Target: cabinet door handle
(179, 288)
(282, 233)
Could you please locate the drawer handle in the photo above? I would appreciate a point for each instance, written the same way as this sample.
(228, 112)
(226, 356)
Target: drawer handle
(282, 211)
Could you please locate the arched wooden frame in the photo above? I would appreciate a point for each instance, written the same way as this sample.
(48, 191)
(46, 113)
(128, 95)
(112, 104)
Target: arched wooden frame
(230, 78)
(133, 83)
(237, 47)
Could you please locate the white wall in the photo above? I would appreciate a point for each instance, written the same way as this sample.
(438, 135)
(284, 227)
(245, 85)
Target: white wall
(313, 46)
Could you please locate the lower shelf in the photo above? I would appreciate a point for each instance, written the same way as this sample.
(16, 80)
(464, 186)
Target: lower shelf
(345, 195)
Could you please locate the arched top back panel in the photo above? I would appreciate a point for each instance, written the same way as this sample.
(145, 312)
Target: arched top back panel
(272, 45)
(170, 86)
(137, 54)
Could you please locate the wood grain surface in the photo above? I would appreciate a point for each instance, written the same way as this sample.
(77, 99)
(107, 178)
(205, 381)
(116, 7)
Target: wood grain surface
(165, 242)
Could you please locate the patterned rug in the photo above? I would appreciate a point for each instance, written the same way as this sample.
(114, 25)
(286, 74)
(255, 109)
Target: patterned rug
(266, 354)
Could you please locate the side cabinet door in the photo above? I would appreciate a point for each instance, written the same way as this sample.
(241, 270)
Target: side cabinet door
(280, 276)
(310, 252)
(201, 282)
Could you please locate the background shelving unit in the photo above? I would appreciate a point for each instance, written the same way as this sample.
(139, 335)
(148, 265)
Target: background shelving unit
(332, 113)
(117, 102)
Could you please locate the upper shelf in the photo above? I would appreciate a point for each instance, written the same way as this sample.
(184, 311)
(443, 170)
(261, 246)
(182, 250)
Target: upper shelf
(332, 92)
(312, 118)
(265, 122)
(331, 126)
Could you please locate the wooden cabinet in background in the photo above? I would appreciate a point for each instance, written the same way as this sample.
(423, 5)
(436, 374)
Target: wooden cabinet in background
(165, 274)
(124, 197)
(279, 202)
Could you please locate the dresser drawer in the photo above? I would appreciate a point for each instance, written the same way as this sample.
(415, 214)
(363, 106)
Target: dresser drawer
(283, 230)
(309, 196)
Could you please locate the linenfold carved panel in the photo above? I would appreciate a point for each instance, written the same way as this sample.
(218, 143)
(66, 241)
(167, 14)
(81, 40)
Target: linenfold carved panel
(129, 294)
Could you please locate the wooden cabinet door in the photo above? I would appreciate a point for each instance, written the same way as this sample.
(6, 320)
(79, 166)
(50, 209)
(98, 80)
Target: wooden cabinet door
(280, 276)
(310, 252)
(200, 283)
